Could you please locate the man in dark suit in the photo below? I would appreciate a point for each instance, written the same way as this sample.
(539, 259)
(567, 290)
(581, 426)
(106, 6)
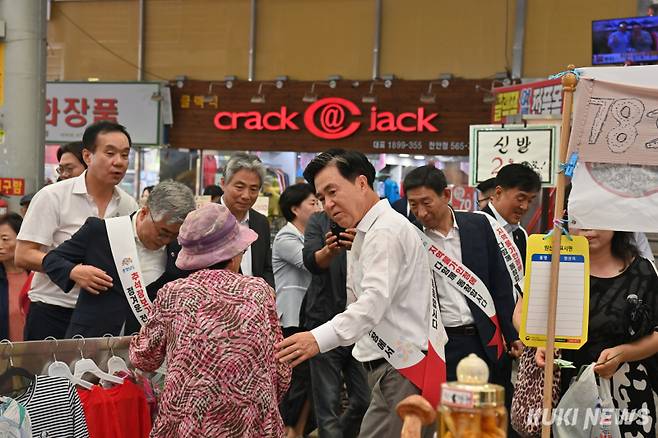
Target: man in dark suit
(243, 178)
(87, 260)
(517, 186)
(466, 238)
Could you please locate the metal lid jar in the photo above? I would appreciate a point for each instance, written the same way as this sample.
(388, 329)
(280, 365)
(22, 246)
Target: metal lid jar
(471, 407)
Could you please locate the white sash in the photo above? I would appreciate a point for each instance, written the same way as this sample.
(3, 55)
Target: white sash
(426, 371)
(454, 274)
(510, 253)
(124, 252)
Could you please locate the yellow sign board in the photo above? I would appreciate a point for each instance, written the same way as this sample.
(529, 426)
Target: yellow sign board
(572, 316)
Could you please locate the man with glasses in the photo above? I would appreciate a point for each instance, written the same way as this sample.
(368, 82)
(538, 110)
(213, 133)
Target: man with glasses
(92, 260)
(59, 210)
(71, 162)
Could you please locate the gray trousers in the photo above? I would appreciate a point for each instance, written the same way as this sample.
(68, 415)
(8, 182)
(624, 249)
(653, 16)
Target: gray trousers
(389, 388)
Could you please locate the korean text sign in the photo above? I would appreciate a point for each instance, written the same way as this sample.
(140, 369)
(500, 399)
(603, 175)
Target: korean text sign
(494, 146)
(72, 106)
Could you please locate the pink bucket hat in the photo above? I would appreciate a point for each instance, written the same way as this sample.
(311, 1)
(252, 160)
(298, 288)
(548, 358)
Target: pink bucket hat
(211, 235)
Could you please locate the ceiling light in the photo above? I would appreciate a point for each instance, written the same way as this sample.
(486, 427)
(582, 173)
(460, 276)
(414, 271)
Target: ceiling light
(403, 155)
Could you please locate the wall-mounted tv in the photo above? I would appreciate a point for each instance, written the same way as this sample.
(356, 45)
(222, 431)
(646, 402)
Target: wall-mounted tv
(622, 40)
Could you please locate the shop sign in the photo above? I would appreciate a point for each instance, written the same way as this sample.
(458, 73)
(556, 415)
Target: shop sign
(332, 122)
(537, 98)
(493, 146)
(12, 186)
(361, 117)
(72, 106)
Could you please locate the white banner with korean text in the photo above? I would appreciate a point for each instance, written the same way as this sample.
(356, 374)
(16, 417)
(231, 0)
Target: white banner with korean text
(72, 106)
(494, 146)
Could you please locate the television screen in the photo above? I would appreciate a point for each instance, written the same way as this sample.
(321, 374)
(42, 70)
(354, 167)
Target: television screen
(622, 40)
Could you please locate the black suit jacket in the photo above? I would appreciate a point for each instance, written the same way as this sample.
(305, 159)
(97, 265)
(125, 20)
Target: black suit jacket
(481, 255)
(518, 235)
(261, 250)
(401, 206)
(95, 315)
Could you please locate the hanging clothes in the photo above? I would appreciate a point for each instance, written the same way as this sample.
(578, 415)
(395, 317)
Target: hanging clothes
(14, 419)
(132, 409)
(100, 413)
(55, 409)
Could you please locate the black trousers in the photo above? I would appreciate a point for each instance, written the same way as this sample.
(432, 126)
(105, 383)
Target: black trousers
(45, 320)
(299, 390)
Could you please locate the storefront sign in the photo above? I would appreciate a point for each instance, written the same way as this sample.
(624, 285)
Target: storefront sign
(72, 106)
(493, 147)
(356, 116)
(12, 186)
(538, 98)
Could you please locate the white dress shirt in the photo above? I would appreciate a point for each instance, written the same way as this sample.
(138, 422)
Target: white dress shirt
(152, 261)
(388, 279)
(56, 212)
(245, 264)
(452, 303)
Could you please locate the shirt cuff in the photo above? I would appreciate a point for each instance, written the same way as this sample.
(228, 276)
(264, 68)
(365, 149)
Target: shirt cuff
(326, 337)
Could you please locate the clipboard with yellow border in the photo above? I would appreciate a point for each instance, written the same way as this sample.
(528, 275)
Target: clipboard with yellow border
(572, 316)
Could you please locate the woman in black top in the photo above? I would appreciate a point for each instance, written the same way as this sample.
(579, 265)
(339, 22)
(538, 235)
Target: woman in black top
(623, 319)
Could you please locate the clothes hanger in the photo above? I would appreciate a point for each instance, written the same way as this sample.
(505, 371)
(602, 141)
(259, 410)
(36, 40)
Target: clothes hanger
(86, 365)
(115, 363)
(61, 369)
(13, 371)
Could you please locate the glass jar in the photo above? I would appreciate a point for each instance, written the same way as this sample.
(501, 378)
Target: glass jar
(471, 407)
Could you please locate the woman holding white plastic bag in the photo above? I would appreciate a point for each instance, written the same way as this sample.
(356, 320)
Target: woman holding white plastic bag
(622, 332)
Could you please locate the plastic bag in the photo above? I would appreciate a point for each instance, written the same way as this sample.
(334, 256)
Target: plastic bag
(586, 410)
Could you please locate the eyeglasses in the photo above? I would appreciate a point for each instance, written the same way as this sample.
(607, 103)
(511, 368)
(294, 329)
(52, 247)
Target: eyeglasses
(162, 232)
(64, 170)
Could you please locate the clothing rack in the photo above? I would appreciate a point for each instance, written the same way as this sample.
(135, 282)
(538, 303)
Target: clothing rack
(36, 356)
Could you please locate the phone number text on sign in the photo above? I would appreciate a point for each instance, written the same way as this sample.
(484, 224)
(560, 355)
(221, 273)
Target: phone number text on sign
(493, 147)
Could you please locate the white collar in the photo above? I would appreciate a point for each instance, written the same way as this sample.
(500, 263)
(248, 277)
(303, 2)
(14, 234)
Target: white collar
(80, 186)
(371, 216)
(501, 220)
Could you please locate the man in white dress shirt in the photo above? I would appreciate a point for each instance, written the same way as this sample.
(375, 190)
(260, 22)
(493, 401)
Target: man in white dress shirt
(388, 285)
(57, 211)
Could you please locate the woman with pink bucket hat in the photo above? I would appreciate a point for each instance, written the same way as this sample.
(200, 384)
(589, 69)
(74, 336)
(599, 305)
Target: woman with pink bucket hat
(216, 330)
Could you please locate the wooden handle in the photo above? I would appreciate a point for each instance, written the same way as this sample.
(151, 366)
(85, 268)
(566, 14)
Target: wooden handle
(415, 412)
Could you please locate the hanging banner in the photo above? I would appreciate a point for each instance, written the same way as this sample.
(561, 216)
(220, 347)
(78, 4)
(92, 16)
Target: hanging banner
(538, 98)
(629, 192)
(494, 146)
(615, 123)
(573, 292)
(463, 198)
(72, 106)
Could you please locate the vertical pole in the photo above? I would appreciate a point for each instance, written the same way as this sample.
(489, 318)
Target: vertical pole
(140, 42)
(569, 82)
(22, 112)
(378, 37)
(198, 184)
(252, 41)
(519, 36)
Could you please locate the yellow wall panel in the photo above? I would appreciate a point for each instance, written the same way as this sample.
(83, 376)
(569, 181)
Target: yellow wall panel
(423, 38)
(311, 39)
(559, 32)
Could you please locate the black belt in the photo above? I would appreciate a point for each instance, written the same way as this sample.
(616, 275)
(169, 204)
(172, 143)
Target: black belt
(372, 365)
(462, 330)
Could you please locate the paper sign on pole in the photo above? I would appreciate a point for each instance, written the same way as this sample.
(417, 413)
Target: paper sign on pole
(573, 293)
(612, 131)
(494, 146)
